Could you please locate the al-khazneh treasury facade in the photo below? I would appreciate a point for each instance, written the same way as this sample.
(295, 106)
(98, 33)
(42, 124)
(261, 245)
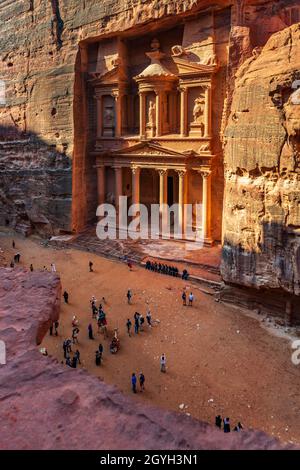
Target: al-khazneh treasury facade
(155, 103)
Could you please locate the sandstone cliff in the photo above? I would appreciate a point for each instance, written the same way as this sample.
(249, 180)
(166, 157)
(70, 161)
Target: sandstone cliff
(262, 172)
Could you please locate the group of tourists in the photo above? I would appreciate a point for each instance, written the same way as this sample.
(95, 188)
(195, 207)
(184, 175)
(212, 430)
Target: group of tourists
(67, 348)
(134, 382)
(138, 321)
(190, 298)
(226, 424)
(162, 268)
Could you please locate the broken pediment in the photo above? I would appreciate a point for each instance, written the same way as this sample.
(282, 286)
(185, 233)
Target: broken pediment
(186, 67)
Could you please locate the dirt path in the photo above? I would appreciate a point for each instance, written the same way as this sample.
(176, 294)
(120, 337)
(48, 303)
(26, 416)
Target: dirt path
(218, 360)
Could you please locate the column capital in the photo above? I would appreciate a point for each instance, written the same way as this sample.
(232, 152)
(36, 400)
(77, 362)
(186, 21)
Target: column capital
(135, 169)
(205, 173)
(181, 172)
(182, 88)
(162, 171)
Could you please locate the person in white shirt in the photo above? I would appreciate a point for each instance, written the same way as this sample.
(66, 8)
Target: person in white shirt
(163, 362)
(191, 298)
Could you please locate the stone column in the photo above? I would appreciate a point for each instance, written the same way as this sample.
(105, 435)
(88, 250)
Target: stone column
(207, 112)
(181, 175)
(206, 205)
(142, 115)
(159, 117)
(101, 184)
(118, 185)
(99, 115)
(162, 186)
(135, 185)
(183, 111)
(118, 108)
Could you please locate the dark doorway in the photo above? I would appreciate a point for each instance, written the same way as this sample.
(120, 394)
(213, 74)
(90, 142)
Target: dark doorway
(170, 195)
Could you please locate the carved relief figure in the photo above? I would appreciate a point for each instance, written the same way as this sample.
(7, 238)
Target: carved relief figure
(198, 109)
(109, 116)
(151, 114)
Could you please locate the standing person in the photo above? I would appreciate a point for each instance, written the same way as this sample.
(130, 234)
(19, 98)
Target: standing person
(142, 381)
(141, 321)
(128, 325)
(191, 298)
(31, 267)
(90, 331)
(98, 358)
(75, 335)
(56, 325)
(66, 297)
(183, 296)
(74, 362)
(53, 268)
(133, 382)
(226, 425)
(136, 322)
(13, 244)
(218, 421)
(100, 349)
(163, 362)
(51, 329)
(149, 318)
(77, 355)
(91, 266)
(129, 296)
(65, 348)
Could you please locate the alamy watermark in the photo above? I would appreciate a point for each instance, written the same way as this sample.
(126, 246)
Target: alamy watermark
(179, 221)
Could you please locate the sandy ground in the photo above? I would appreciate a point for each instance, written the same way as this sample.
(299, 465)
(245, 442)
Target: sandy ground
(218, 359)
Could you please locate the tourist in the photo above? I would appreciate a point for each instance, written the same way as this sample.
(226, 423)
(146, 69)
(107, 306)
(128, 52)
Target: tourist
(100, 349)
(141, 321)
(51, 329)
(238, 427)
(142, 381)
(91, 266)
(53, 268)
(90, 331)
(75, 321)
(163, 362)
(129, 296)
(56, 325)
(66, 297)
(218, 421)
(136, 322)
(65, 348)
(149, 319)
(191, 298)
(133, 382)
(13, 244)
(69, 345)
(31, 267)
(68, 362)
(128, 325)
(74, 362)
(183, 296)
(98, 358)
(185, 275)
(77, 355)
(75, 335)
(226, 425)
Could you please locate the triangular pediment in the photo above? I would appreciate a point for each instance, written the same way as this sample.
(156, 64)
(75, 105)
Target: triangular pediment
(186, 67)
(108, 78)
(148, 148)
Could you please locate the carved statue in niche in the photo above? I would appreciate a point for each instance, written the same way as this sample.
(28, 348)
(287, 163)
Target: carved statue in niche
(109, 116)
(151, 114)
(198, 110)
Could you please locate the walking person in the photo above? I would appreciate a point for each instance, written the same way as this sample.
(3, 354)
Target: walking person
(149, 319)
(142, 381)
(90, 331)
(98, 358)
(56, 325)
(53, 268)
(75, 335)
(128, 326)
(91, 266)
(77, 355)
(31, 267)
(183, 296)
(129, 296)
(66, 297)
(13, 244)
(133, 382)
(191, 299)
(136, 322)
(163, 362)
(100, 349)
(226, 425)
(218, 421)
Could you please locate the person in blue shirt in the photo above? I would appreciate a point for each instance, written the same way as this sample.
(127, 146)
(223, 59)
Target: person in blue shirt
(133, 382)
